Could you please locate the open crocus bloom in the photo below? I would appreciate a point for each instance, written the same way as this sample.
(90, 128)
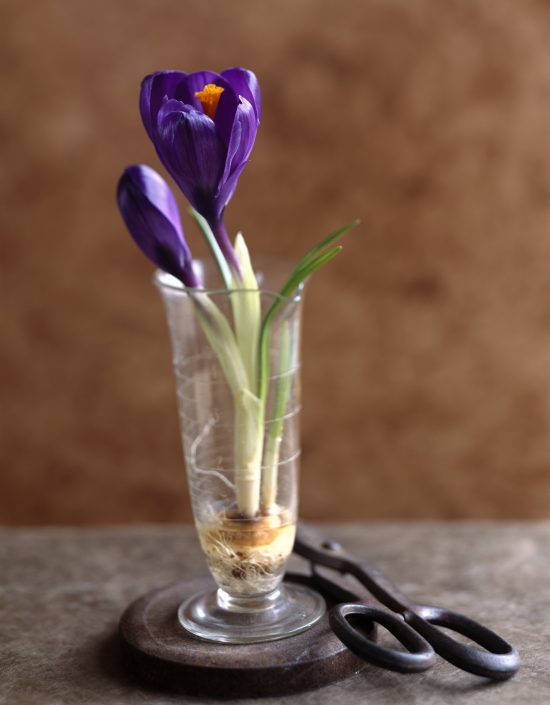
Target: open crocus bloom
(203, 126)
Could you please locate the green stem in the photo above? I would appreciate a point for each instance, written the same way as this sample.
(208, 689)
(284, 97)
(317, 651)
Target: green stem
(249, 434)
(249, 414)
(217, 254)
(275, 433)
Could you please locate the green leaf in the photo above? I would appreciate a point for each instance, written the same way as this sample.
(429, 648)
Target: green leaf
(296, 278)
(324, 243)
(303, 271)
(330, 238)
(312, 260)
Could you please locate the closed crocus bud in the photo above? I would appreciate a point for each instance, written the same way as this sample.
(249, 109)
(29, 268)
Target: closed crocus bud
(151, 214)
(203, 126)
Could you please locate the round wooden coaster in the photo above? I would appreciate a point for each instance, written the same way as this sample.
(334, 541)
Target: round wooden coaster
(160, 651)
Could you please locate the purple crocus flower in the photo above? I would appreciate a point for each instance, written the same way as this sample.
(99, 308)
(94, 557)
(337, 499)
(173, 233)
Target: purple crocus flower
(151, 214)
(203, 126)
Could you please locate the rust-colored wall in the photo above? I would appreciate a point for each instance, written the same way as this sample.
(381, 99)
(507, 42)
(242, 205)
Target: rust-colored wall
(427, 344)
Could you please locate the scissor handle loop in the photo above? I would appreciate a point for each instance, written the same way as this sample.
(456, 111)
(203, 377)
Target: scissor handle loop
(419, 655)
(496, 659)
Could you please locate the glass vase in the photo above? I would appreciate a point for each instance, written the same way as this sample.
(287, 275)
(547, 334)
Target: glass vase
(242, 448)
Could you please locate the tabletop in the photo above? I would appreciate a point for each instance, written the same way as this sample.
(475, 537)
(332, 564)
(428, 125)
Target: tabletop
(63, 590)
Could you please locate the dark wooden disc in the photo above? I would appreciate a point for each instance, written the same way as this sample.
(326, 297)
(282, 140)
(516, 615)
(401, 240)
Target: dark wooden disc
(160, 651)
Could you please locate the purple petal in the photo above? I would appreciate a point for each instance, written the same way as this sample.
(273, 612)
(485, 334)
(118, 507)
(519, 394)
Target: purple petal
(227, 188)
(154, 89)
(192, 150)
(242, 139)
(172, 105)
(149, 209)
(245, 117)
(225, 113)
(245, 84)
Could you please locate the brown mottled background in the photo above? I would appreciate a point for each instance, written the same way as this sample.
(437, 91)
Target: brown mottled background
(427, 343)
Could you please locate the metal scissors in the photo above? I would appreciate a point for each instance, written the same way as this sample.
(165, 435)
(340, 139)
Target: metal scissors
(414, 625)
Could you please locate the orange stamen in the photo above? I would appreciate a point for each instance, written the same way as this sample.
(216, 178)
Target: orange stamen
(209, 98)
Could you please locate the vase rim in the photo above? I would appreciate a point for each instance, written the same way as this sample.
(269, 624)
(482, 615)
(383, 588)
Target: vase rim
(164, 280)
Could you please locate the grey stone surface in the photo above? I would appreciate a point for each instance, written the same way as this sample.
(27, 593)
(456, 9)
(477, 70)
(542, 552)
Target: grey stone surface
(63, 590)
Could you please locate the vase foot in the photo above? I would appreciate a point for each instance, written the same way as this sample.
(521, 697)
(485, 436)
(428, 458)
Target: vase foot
(216, 616)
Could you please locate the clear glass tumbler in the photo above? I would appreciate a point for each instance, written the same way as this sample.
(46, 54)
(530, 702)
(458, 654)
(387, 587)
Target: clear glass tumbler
(242, 450)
